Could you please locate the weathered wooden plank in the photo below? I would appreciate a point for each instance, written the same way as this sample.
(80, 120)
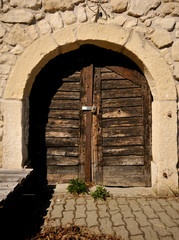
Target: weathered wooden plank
(122, 141)
(122, 112)
(72, 78)
(70, 86)
(123, 151)
(123, 131)
(116, 93)
(104, 70)
(64, 114)
(63, 151)
(110, 75)
(62, 161)
(63, 123)
(121, 102)
(123, 160)
(129, 176)
(113, 122)
(62, 142)
(118, 84)
(62, 132)
(66, 95)
(65, 104)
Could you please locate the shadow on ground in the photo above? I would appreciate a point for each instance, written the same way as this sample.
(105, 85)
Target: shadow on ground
(22, 214)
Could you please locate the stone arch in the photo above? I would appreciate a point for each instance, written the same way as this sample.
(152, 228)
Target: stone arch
(128, 42)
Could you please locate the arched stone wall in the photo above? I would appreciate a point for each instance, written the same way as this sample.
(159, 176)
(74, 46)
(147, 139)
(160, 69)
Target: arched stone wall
(130, 43)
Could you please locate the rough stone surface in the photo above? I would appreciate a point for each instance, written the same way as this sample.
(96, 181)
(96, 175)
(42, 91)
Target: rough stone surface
(165, 23)
(119, 20)
(176, 70)
(69, 17)
(161, 38)
(44, 27)
(32, 32)
(168, 9)
(175, 51)
(18, 16)
(5, 69)
(81, 15)
(140, 7)
(2, 30)
(56, 21)
(56, 5)
(32, 4)
(7, 58)
(18, 49)
(119, 6)
(131, 23)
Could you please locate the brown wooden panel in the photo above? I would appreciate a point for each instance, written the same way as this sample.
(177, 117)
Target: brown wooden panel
(123, 151)
(121, 102)
(62, 142)
(65, 104)
(117, 93)
(117, 84)
(135, 121)
(72, 78)
(62, 123)
(110, 75)
(129, 176)
(122, 141)
(62, 161)
(66, 95)
(70, 86)
(64, 114)
(62, 132)
(123, 131)
(123, 160)
(122, 112)
(63, 151)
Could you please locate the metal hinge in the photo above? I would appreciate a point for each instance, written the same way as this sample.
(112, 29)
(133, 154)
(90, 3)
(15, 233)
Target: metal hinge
(89, 108)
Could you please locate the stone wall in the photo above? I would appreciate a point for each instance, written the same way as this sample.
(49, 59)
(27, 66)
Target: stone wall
(24, 21)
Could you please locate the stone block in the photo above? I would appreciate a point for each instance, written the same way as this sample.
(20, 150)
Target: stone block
(91, 218)
(141, 219)
(175, 51)
(18, 49)
(140, 7)
(5, 69)
(119, 20)
(131, 23)
(161, 38)
(176, 70)
(56, 21)
(132, 226)
(106, 226)
(44, 27)
(32, 32)
(165, 23)
(171, 8)
(7, 58)
(81, 14)
(119, 6)
(69, 17)
(2, 30)
(32, 4)
(56, 5)
(18, 16)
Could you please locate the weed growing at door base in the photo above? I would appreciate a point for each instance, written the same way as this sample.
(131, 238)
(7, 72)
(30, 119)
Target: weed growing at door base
(100, 193)
(77, 186)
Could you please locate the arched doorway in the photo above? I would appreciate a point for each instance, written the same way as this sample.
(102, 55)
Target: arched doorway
(109, 144)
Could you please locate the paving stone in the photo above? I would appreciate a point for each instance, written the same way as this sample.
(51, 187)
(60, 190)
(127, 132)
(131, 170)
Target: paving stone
(54, 223)
(132, 226)
(122, 232)
(142, 219)
(174, 204)
(156, 206)
(148, 211)
(134, 205)
(80, 211)
(159, 227)
(149, 233)
(143, 201)
(57, 211)
(106, 226)
(95, 230)
(175, 232)
(163, 202)
(172, 212)
(116, 218)
(126, 211)
(67, 217)
(70, 205)
(166, 219)
(167, 238)
(91, 218)
(80, 222)
(90, 205)
(103, 211)
(122, 201)
(80, 201)
(113, 204)
(138, 237)
(60, 200)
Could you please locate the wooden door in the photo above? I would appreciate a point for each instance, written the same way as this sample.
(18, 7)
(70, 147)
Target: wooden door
(115, 140)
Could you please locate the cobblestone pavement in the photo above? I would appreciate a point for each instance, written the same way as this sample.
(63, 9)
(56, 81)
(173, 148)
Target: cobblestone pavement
(133, 218)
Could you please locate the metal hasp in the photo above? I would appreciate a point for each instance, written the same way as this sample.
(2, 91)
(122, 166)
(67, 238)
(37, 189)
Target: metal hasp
(89, 108)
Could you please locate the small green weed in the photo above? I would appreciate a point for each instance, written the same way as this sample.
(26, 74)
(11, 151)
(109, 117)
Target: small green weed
(77, 186)
(100, 193)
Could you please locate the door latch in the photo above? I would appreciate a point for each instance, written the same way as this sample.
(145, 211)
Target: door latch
(89, 108)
